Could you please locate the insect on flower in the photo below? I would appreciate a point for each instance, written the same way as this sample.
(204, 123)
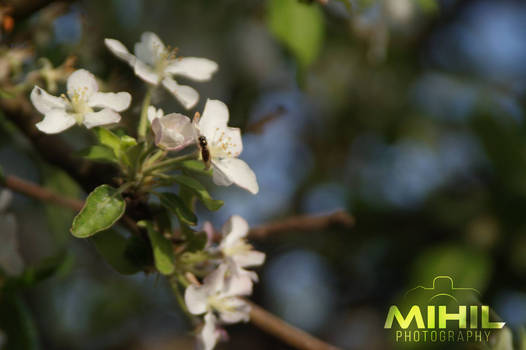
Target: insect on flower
(205, 153)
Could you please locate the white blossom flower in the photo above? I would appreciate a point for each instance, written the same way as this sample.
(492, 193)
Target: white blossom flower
(11, 262)
(156, 64)
(224, 145)
(209, 334)
(219, 294)
(83, 105)
(238, 253)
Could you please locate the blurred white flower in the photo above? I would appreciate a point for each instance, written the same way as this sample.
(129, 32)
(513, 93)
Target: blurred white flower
(10, 260)
(155, 64)
(224, 145)
(60, 113)
(237, 252)
(209, 334)
(221, 294)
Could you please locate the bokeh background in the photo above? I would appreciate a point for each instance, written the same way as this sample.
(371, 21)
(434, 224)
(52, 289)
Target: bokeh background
(409, 114)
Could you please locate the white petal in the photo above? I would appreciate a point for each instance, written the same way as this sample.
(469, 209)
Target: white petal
(103, 117)
(195, 298)
(239, 281)
(82, 84)
(233, 230)
(45, 102)
(240, 311)
(55, 121)
(173, 131)
(209, 334)
(215, 117)
(146, 73)
(215, 281)
(225, 142)
(10, 260)
(199, 69)
(234, 170)
(249, 258)
(150, 49)
(117, 101)
(119, 50)
(154, 113)
(183, 93)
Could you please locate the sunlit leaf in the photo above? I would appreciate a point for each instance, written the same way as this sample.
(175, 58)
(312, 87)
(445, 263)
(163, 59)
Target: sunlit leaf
(99, 153)
(162, 249)
(299, 27)
(103, 207)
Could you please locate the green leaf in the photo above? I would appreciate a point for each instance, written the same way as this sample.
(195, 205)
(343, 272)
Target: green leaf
(113, 247)
(175, 204)
(109, 139)
(195, 241)
(163, 253)
(127, 142)
(196, 166)
(103, 207)
(299, 27)
(199, 190)
(99, 153)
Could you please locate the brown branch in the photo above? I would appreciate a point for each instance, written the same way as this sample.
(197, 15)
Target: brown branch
(258, 126)
(303, 223)
(35, 191)
(32, 190)
(24, 9)
(291, 335)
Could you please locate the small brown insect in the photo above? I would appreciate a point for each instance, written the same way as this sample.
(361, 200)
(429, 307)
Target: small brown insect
(205, 153)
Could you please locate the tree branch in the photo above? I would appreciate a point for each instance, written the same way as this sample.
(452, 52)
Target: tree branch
(24, 9)
(38, 192)
(32, 190)
(291, 335)
(303, 223)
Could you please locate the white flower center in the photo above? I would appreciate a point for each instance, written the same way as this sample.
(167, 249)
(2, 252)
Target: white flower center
(79, 104)
(222, 145)
(239, 247)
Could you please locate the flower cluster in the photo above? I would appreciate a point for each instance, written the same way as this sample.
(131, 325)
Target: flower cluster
(148, 162)
(219, 296)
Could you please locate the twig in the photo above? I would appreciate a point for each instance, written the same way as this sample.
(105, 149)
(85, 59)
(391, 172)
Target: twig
(258, 126)
(303, 223)
(35, 191)
(24, 9)
(282, 330)
(32, 190)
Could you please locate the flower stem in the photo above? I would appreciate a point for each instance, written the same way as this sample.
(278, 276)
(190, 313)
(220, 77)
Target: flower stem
(169, 162)
(143, 122)
(180, 299)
